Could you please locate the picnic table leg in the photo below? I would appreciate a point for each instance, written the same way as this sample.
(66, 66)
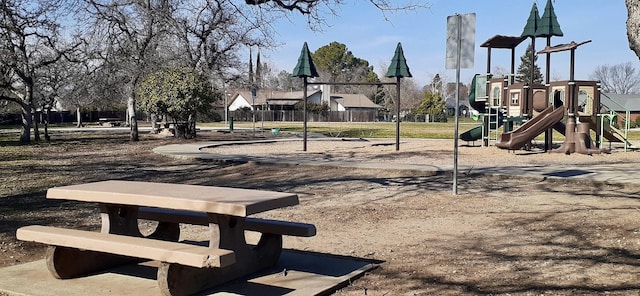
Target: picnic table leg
(118, 219)
(176, 279)
(65, 262)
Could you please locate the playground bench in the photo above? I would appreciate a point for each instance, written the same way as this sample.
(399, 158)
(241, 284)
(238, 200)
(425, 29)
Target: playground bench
(184, 268)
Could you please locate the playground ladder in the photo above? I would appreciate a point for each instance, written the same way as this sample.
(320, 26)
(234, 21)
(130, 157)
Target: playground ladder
(611, 115)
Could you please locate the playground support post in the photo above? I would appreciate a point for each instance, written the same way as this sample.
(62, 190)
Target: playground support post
(397, 113)
(528, 102)
(548, 134)
(304, 114)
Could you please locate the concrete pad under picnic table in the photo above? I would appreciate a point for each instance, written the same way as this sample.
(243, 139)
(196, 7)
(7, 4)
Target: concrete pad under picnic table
(297, 273)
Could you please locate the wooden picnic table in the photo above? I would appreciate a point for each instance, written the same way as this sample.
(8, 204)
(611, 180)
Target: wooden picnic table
(184, 269)
(109, 122)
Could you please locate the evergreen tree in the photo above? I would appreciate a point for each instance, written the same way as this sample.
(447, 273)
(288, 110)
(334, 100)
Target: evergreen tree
(525, 68)
(432, 104)
(336, 63)
(258, 76)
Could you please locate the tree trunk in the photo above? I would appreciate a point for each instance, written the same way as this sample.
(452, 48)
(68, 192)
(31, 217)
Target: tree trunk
(46, 124)
(36, 130)
(27, 119)
(78, 117)
(180, 129)
(155, 126)
(633, 25)
(191, 127)
(133, 122)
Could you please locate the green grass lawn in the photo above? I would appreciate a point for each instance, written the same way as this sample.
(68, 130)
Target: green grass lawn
(367, 129)
(432, 130)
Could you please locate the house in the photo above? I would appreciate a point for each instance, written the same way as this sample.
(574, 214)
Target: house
(243, 99)
(282, 100)
(621, 103)
(344, 102)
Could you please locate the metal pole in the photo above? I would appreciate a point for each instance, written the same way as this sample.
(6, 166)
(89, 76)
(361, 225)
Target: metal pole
(489, 59)
(529, 93)
(457, 105)
(512, 72)
(397, 113)
(304, 114)
(226, 110)
(548, 134)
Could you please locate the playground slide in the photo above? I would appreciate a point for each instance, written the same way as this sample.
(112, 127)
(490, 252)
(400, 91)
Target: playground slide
(475, 133)
(610, 133)
(531, 129)
(613, 134)
(471, 135)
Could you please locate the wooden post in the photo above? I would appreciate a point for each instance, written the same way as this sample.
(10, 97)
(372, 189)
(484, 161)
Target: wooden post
(304, 114)
(397, 113)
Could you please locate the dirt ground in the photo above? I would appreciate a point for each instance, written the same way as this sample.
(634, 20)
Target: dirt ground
(500, 235)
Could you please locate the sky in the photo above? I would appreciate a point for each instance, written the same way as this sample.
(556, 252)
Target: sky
(366, 33)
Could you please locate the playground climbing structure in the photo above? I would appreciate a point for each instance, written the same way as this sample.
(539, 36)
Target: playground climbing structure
(571, 107)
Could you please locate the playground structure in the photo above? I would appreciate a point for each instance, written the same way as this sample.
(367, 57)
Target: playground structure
(539, 109)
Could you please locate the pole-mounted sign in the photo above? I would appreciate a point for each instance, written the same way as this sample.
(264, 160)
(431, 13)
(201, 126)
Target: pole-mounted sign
(461, 42)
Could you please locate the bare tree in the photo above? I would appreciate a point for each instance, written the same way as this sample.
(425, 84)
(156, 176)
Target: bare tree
(317, 10)
(499, 71)
(621, 78)
(410, 92)
(131, 32)
(30, 39)
(51, 80)
(210, 35)
(142, 37)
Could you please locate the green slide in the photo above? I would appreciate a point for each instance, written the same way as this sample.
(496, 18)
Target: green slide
(475, 133)
(471, 135)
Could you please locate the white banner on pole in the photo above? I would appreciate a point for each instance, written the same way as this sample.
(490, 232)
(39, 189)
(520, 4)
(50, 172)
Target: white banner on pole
(467, 40)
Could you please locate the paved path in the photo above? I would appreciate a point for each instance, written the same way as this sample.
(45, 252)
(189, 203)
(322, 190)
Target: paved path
(601, 173)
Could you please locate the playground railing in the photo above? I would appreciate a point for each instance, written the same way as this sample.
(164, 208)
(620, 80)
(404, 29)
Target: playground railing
(612, 115)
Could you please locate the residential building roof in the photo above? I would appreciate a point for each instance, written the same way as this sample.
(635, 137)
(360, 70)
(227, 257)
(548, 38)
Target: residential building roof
(261, 97)
(292, 97)
(289, 95)
(620, 102)
(354, 101)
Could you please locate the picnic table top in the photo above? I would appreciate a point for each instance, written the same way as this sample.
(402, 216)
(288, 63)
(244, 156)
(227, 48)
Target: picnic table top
(208, 199)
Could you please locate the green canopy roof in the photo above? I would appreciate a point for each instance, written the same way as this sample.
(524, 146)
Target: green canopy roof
(548, 25)
(398, 67)
(532, 23)
(305, 66)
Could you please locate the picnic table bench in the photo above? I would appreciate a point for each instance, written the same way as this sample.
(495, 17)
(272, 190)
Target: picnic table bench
(184, 268)
(109, 122)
